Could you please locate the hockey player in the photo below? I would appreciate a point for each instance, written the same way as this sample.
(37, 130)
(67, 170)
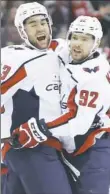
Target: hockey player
(30, 88)
(86, 126)
(93, 146)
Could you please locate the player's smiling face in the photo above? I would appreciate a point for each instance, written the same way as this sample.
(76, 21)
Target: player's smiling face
(80, 46)
(37, 29)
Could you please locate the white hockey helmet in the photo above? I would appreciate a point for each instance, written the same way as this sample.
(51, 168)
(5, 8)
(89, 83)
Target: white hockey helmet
(27, 10)
(87, 25)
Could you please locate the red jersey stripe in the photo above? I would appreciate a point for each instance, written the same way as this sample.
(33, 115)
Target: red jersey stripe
(67, 116)
(90, 141)
(18, 76)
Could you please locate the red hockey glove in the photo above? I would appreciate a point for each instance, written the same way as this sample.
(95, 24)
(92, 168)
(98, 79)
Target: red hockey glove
(30, 134)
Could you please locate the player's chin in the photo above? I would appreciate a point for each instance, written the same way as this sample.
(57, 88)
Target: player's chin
(77, 59)
(42, 44)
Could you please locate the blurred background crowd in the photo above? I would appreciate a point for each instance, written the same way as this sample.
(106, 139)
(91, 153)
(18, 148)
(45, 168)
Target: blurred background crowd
(62, 13)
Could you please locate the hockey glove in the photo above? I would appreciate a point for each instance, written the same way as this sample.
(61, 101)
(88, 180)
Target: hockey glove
(30, 134)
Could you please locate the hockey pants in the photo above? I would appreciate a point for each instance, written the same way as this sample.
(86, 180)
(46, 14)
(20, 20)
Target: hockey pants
(35, 171)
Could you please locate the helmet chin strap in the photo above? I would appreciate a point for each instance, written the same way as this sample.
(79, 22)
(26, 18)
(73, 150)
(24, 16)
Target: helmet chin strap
(93, 50)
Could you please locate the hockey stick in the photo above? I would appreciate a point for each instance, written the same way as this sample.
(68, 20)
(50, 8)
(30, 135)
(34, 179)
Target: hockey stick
(8, 139)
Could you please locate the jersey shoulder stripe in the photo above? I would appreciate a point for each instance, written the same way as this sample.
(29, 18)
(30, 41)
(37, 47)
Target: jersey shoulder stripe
(19, 75)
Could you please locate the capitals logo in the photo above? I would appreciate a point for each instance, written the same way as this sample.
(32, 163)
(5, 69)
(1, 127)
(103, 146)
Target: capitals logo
(95, 69)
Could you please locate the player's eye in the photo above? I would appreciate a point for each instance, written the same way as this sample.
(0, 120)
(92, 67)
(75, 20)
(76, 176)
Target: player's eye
(75, 38)
(84, 39)
(43, 23)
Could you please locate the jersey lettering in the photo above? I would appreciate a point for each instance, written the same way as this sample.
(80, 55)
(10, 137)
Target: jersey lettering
(51, 87)
(62, 103)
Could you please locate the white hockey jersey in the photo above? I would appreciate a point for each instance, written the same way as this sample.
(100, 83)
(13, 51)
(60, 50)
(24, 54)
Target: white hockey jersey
(89, 87)
(30, 86)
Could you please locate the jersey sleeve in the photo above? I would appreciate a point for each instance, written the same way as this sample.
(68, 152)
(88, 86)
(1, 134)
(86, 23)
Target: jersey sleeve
(12, 72)
(84, 103)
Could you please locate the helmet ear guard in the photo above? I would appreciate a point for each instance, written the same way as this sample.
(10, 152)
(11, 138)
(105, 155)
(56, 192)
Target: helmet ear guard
(22, 32)
(69, 36)
(96, 45)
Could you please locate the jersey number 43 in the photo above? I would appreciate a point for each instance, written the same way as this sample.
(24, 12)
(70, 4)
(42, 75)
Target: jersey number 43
(5, 70)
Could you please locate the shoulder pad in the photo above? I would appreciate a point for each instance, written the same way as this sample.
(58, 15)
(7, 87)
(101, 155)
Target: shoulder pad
(100, 62)
(13, 58)
(64, 54)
